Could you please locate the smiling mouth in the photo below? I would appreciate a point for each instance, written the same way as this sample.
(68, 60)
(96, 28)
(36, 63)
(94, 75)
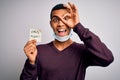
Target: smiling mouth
(61, 32)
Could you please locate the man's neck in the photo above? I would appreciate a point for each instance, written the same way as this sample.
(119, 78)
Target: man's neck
(62, 45)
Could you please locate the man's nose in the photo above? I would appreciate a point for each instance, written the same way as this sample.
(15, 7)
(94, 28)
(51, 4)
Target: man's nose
(60, 23)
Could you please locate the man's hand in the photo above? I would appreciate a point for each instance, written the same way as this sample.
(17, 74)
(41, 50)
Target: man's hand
(31, 51)
(72, 17)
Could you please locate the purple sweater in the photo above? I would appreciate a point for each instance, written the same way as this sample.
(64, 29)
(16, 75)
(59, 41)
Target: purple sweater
(70, 63)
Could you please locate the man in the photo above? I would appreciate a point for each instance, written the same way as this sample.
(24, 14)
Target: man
(63, 59)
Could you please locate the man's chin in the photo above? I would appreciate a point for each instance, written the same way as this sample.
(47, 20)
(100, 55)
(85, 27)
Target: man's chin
(62, 35)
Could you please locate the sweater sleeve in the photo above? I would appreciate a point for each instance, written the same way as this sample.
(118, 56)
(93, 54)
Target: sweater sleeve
(29, 71)
(96, 52)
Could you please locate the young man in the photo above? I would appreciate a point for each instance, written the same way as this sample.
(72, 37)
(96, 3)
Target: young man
(63, 59)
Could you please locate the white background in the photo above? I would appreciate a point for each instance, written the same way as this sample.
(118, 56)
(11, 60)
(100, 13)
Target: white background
(17, 16)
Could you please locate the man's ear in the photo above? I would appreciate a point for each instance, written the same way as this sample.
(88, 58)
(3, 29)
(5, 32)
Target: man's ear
(51, 23)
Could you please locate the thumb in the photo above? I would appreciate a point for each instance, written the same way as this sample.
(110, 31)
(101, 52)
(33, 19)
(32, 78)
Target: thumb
(67, 19)
(34, 41)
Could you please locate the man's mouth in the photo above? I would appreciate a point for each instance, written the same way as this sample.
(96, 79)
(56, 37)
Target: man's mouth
(61, 32)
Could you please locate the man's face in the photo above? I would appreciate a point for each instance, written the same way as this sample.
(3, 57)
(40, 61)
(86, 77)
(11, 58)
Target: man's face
(58, 26)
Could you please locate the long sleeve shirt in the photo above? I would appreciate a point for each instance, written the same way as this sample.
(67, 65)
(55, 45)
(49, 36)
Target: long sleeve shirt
(70, 63)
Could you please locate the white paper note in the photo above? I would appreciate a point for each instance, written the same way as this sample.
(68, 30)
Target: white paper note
(35, 34)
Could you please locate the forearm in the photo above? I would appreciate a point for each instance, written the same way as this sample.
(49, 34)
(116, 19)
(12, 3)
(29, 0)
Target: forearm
(29, 72)
(94, 45)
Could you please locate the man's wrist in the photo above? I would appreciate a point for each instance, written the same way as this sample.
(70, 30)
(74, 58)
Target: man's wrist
(32, 62)
(30, 66)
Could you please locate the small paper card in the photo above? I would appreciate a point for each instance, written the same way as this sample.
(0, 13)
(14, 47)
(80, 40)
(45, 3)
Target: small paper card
(35, 34)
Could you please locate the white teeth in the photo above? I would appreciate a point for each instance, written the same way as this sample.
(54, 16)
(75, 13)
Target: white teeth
(61, 30)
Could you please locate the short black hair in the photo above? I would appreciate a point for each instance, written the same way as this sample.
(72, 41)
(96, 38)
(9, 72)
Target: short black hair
(57, 7)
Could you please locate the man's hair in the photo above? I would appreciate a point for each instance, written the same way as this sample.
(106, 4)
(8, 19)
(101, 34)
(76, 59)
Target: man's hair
(57, 7)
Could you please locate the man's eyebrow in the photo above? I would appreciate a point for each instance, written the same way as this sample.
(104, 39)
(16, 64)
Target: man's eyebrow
(55, 16)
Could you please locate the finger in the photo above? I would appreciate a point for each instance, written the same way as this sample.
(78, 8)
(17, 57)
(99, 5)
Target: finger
(66, 19)
(68, 8)
(30, 51)
(67, 15)
(70, 4)
(31, 46)
(62, 19)
(31, 42)
(73, 7)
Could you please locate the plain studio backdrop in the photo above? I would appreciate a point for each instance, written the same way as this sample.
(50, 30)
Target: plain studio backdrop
(17, 16)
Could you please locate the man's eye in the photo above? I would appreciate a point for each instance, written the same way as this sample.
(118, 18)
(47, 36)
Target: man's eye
(67, 18)
(55, 20)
